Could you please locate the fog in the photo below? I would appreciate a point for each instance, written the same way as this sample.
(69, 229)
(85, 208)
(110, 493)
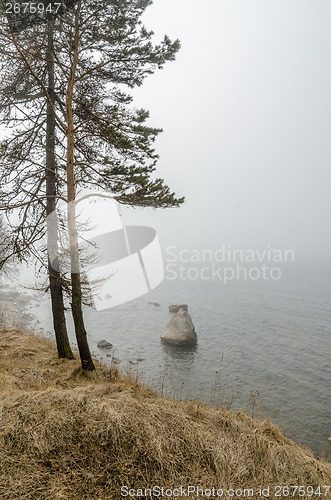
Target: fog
(246, 113)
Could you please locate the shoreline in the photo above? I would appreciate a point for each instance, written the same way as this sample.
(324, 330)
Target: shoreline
(19, 308)
(70, 434)
(16, 307)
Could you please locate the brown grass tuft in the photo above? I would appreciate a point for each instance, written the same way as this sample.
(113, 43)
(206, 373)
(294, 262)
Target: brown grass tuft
(70, 435)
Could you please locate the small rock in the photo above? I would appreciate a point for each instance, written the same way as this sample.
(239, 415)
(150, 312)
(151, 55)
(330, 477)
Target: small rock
(329, 439)
(136, 361)
(154, 303)
(174, 308)
(103, 344)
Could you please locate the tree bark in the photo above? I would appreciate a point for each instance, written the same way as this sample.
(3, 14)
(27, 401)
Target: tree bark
(59, 322)
(76, 290)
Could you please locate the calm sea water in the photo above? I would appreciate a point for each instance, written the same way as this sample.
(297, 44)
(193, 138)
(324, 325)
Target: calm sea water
(263, 346)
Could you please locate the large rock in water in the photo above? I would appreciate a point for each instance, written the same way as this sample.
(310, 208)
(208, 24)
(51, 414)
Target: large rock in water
(180, 330)
(174, 308)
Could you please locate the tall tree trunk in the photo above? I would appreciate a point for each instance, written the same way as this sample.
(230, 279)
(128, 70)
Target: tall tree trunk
(76, 304)
(59, 322)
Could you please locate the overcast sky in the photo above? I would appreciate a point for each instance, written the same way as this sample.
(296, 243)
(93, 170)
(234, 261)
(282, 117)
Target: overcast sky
(246, 113)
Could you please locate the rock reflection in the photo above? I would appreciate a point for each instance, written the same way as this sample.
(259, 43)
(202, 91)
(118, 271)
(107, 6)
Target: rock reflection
(184, 353)
(178, 378)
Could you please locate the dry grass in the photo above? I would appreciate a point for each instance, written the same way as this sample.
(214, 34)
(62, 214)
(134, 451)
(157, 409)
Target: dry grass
(69, 435)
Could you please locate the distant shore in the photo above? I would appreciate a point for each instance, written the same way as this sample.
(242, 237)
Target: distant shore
(14, 307)
(68, 434)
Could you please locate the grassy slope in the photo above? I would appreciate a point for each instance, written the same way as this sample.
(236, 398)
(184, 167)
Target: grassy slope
(68, 435)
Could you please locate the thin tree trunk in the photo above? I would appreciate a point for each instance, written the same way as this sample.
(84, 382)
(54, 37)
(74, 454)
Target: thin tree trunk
(76, 304)
(59, 322)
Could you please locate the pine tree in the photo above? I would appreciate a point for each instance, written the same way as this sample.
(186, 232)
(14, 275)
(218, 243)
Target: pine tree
(100, 47)
(21, 103)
